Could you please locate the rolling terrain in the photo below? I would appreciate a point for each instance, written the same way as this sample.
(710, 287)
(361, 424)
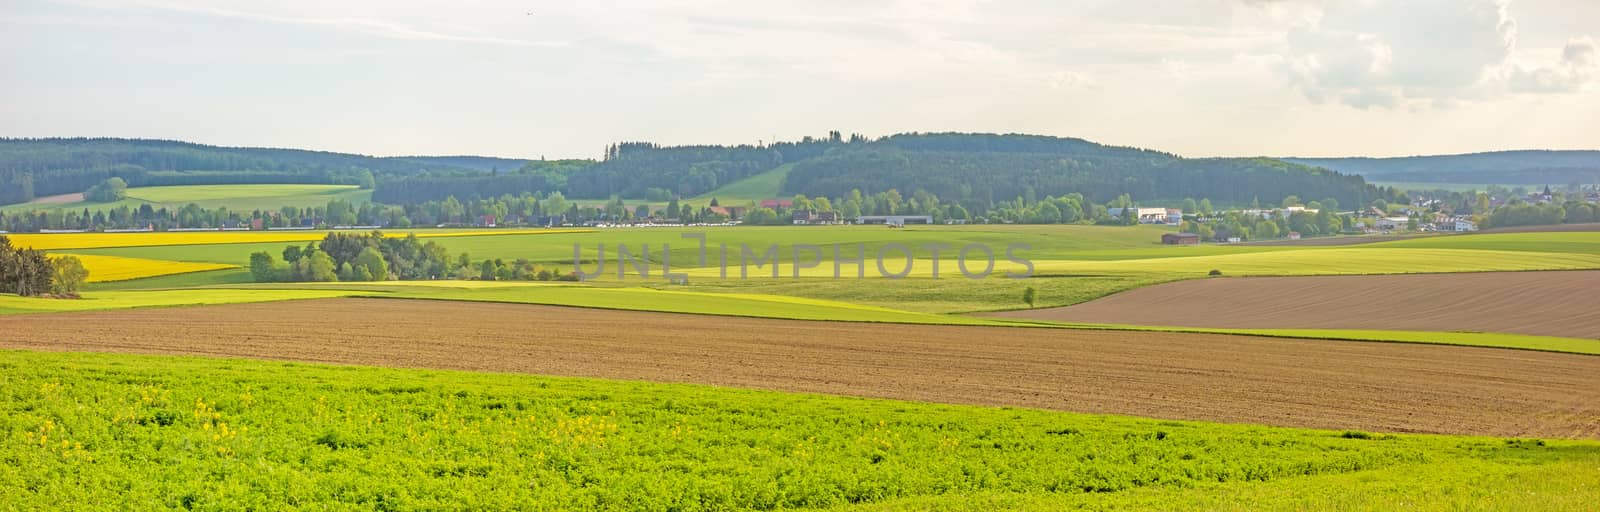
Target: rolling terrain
(1299, 383)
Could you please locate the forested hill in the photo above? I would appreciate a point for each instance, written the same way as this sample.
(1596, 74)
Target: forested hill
(1501, 167)
(982, 169)
(975, 169)
(43, 167)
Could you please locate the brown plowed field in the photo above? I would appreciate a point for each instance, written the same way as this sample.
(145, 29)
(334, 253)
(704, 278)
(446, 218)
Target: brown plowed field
(1564, 303)
(1306, 383)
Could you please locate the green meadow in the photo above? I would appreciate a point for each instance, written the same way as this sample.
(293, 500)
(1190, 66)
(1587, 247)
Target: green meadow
(754, 188)
(109, 432)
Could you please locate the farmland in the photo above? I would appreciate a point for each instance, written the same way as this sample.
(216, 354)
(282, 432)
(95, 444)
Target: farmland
(922, 403)
(1432, 302)
(236, 434)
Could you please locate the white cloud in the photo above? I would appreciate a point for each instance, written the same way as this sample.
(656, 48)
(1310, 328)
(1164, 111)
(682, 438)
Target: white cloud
(1576, 70)
(1371, 54)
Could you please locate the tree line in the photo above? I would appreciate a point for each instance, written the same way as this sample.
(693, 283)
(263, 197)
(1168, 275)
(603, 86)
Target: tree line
(30, 272)
(356, 257)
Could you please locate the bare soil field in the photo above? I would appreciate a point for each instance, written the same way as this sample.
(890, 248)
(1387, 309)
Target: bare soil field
(1303, 383)
(58, 199)
(1552, 303)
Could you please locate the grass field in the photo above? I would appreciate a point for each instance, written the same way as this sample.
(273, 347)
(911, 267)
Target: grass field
(116, 431)
(754, 188)
(233, 197)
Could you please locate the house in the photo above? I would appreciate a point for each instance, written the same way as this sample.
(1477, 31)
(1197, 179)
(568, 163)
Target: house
(1180, 239)
(777, 203)
(827, 218)
(720, 210)
(1463, 225)
(1294, 235)
(895, 220)
(802, 217)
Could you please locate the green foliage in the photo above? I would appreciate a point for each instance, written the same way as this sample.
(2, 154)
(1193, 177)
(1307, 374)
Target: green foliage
(24, 271)
(265, 269)
(1028, 295)
(370, 264)
(67, 276)
(112, 189)
(81, 430)
(315, 266)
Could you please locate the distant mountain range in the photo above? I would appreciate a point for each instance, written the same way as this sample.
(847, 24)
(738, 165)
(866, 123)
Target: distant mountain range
(1528, 167)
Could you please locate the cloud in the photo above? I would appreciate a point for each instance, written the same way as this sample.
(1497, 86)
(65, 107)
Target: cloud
(1070, 80)
(1371, 54)
(1576, 70)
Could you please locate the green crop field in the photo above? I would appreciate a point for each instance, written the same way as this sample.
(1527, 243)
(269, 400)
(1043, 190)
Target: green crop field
(233, 197)
(101, 431)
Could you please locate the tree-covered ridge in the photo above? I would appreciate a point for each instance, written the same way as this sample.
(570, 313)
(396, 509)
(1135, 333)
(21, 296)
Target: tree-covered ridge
(976, 170)
(978, 178)
(32, 168)
(1500, 167)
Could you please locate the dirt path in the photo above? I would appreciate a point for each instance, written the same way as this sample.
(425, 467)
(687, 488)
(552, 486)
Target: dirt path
(1303, 383)
(1556, 303)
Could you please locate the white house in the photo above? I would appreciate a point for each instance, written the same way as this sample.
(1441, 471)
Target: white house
(1151, 215)
(1465, 225)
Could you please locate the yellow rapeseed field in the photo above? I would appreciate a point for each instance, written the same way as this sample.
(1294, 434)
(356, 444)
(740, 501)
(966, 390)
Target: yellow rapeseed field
(117, 268)
(56, 241)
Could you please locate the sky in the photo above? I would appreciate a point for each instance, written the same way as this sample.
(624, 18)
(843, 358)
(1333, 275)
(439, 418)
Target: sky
(539, 78)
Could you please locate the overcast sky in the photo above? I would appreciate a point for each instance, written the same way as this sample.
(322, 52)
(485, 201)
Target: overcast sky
(562, 79)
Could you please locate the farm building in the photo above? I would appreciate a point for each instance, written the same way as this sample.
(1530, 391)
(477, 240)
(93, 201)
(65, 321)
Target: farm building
(803, 217)
(1180, 239)
(1393, 223)
(895, 220)
(1151, 215)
